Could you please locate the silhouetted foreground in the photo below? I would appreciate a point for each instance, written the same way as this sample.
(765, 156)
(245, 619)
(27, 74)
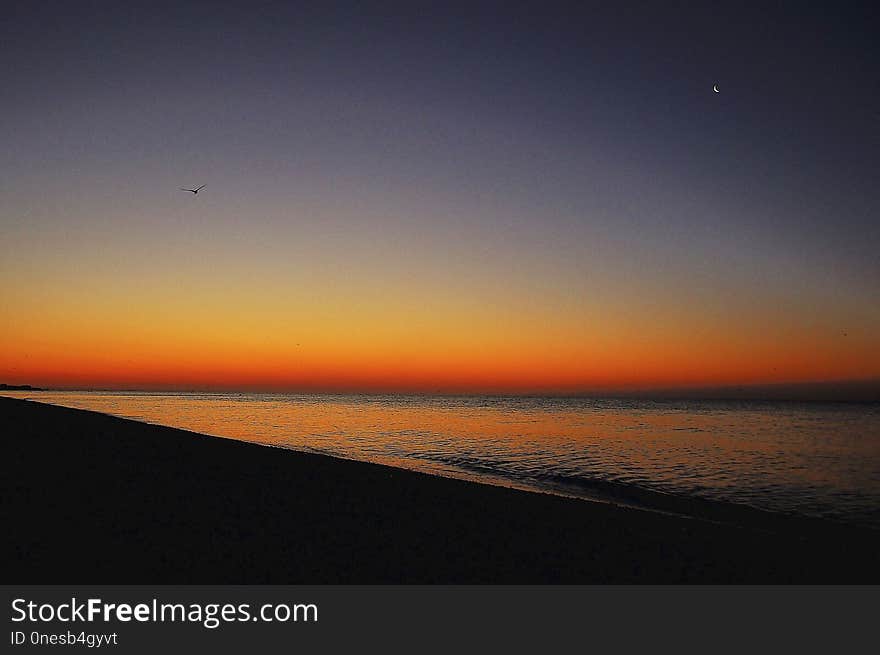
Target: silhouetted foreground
(90, 498)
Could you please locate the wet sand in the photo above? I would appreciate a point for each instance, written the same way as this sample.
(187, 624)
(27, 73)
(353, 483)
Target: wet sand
(90, 498)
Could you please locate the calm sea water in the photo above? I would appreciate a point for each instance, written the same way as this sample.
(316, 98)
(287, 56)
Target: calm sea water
(802, 458)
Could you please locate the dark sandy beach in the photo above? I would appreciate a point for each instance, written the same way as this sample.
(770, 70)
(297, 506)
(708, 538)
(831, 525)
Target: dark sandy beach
(89, 498)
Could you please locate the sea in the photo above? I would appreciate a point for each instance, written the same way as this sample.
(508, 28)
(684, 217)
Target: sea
(804, 459)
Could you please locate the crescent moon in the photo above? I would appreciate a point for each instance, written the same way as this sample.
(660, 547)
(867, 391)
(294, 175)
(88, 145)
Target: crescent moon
(715, 88)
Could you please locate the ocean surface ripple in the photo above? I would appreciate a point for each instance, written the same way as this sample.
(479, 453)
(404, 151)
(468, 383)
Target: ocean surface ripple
(809, 459)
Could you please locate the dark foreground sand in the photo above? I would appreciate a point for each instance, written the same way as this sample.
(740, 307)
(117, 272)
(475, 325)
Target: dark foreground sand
(89, 498)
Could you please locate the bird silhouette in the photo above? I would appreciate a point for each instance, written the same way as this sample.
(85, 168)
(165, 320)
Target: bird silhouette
(193, 190)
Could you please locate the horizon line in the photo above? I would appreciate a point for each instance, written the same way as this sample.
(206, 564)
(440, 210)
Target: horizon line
(849, 390)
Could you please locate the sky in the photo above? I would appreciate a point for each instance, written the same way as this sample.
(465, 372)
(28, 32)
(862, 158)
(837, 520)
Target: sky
(511, 197)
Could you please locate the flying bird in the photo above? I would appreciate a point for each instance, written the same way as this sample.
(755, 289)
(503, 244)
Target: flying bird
(193, 190)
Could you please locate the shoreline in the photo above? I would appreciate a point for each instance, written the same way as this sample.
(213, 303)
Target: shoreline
(591, 489)
(100, 499)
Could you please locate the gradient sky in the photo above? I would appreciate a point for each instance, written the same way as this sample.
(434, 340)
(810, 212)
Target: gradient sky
(509, 197)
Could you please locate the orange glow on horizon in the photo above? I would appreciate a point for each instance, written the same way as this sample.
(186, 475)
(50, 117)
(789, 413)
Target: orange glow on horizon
(314, 326)
(521, 359)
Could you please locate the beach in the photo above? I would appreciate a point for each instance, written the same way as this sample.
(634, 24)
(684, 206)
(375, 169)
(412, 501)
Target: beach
(91, 498)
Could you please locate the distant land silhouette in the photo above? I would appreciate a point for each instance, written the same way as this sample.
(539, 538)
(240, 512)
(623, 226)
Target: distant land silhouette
(19, 387)
(864, 391)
